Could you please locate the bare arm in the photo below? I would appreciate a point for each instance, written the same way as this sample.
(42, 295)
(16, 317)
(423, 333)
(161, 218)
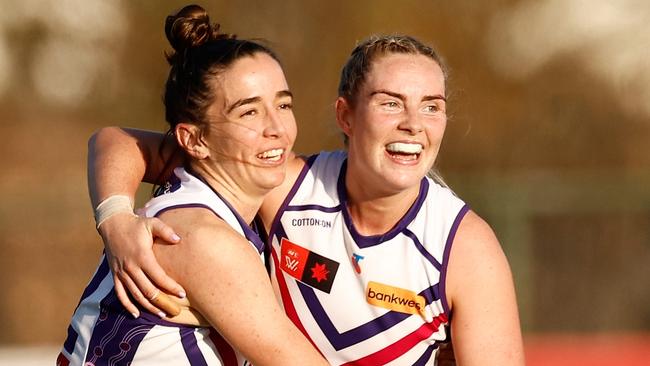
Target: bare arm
(228, 284)
(118, 159)
(485, 323)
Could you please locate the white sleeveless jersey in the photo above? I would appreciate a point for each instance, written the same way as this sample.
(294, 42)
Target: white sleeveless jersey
(364, 300)
(102, 332)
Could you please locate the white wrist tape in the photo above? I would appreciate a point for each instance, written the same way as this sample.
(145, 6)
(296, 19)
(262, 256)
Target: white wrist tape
(111, 206)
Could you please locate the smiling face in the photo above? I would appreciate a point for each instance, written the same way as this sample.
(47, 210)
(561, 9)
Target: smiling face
(251, 127)
(396, 123)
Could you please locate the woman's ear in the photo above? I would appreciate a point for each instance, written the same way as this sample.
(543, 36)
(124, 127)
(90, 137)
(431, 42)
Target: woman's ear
(343, 114)
(189, 138)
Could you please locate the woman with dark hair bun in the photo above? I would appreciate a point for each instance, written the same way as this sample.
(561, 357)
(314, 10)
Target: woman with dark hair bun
(230, 113)
(377, 262)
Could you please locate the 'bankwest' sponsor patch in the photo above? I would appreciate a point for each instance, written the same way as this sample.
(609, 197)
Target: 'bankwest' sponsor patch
(306, 266)
(394, 298)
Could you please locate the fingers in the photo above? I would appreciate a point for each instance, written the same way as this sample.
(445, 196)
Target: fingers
(124, 298)
(142, 297)
(156, 274)
(135, 268)
(161, 230)
(119, 279)
(163, 301)
(124, 284)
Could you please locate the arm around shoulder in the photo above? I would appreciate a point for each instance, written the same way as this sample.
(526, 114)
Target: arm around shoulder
(120, 158)
(227, 283)
(480, 290)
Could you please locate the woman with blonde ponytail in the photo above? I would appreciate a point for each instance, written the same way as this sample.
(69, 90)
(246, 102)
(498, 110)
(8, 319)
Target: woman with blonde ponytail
(373, 260)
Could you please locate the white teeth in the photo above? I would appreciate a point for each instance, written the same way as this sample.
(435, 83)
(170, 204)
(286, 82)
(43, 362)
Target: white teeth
(274, 154)
(404, 148)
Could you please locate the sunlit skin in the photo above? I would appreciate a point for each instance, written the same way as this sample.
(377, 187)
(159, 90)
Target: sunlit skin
(401, 101)
(395, 124)
(251, 129)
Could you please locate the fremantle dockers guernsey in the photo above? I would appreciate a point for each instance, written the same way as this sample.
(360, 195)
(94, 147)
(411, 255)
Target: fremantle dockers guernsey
(364, 300)
(102, 332)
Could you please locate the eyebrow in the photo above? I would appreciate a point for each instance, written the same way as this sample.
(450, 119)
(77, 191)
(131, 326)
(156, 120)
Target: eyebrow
(402, 97)
(284, 93)
(241, 102)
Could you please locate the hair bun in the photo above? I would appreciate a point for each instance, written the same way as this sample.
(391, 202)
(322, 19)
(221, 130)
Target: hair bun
(190, 27)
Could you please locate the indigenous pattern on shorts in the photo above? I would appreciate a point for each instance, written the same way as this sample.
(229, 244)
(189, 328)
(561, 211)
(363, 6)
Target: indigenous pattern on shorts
(102, 332)
(364, 300)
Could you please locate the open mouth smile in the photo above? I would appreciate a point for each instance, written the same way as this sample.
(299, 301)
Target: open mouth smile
(406, 151)
(271, 155)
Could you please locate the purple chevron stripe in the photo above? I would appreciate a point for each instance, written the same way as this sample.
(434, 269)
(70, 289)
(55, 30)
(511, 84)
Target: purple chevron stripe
(314, 207)
(70, 340)
(361, 332)
(422, 249)
(445, 258)
(194, 355)
(426, 356)
(102, 271)
(296, 185)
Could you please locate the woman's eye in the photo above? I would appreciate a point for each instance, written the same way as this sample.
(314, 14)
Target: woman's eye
(249, 113)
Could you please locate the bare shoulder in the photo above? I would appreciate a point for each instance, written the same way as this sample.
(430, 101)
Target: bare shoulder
(480, 292)
(474, 229)
(475, 239)
(476, 258)
(227, 283)
(196, 223)
(203, 236)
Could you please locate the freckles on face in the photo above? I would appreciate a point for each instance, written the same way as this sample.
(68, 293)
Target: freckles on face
(231, 140)
(401, 104)
(396, 123)
(251, 117)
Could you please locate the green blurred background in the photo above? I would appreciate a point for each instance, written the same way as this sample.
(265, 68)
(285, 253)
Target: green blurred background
(548, 135)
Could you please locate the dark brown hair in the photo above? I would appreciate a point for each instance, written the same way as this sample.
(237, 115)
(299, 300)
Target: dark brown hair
(200, 53)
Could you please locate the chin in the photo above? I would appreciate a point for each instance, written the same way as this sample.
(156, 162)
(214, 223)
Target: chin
(402, 182)
(272, 181)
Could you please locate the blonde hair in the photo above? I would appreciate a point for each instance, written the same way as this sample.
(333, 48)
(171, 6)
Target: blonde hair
(358, 65)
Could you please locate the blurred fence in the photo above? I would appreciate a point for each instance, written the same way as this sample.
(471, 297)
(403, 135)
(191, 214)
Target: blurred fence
(579, 246)
(578, 241)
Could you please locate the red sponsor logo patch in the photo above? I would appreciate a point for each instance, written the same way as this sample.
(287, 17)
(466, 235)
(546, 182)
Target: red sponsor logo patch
(306, 266)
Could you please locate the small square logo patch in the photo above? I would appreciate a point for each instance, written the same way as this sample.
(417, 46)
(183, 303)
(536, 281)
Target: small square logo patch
(307, 267)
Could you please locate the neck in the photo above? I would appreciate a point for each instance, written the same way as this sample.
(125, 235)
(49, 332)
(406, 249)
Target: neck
(244, 202)
(375, 213)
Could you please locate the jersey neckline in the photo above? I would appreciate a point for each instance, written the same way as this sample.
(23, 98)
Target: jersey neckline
(365, 241)
(248, 230)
